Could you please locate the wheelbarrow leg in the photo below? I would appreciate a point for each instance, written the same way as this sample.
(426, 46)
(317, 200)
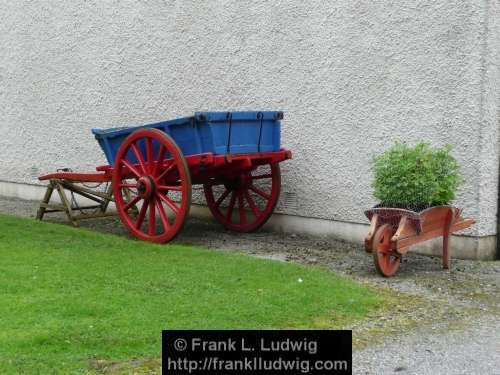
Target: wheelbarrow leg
(446, 240)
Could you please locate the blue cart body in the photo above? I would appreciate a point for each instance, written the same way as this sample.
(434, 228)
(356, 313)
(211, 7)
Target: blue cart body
(206, 132)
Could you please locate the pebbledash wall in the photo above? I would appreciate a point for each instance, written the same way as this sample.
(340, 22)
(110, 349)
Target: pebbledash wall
(351, 76)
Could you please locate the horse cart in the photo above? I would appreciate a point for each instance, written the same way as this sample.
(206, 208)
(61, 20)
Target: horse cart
(393, 230)
(235, 156)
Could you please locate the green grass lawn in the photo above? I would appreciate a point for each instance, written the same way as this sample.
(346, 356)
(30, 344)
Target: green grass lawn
(71, 297)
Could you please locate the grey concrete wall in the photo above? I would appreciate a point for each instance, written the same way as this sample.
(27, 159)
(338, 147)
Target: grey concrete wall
(351, 76)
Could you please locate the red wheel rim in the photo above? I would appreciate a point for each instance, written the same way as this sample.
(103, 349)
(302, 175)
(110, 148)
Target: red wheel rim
(244, 202)
(151, 174)
(386, 261)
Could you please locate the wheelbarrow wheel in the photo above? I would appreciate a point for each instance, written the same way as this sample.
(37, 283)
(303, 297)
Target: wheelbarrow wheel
(244, 202)
(386, 260)
(151, 173)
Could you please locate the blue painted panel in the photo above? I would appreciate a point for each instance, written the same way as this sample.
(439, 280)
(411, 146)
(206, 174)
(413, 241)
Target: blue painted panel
(216, 132)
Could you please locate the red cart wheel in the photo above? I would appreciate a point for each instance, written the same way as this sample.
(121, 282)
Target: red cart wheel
(151, 170)
(245, 202)
(386, 261)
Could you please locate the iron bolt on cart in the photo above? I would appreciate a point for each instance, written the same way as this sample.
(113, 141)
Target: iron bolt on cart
(234, 155)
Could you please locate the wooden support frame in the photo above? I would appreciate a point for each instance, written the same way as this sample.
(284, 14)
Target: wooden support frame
(62, 186)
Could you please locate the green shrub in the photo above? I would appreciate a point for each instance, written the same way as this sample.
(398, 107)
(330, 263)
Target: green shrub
(415, 177)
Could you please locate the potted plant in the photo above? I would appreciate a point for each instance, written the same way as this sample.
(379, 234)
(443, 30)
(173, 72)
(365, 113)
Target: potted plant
(415, 186)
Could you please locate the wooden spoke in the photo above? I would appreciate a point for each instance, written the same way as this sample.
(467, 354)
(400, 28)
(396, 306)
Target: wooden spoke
(152, 220)
(170, 203)
(165, 172)
(138, 156)
(221, 198)
(149, 153)
(241, 208)
(163, 215)
(230, 208)
(131, 168)
(260, 192)
(142, 214)
(159, 160)
(251, 203)
(131, 203)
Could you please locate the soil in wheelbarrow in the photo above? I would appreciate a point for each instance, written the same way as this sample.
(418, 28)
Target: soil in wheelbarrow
(424, 296)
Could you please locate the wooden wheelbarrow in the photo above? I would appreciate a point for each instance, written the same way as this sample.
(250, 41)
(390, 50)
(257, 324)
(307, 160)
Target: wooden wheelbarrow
(393, 231)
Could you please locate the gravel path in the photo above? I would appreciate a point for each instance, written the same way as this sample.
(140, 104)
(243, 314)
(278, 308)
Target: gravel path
(475, 350)
(447, 322)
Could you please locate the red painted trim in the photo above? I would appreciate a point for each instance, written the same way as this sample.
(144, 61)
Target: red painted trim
(78, 176)
(205, 167)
